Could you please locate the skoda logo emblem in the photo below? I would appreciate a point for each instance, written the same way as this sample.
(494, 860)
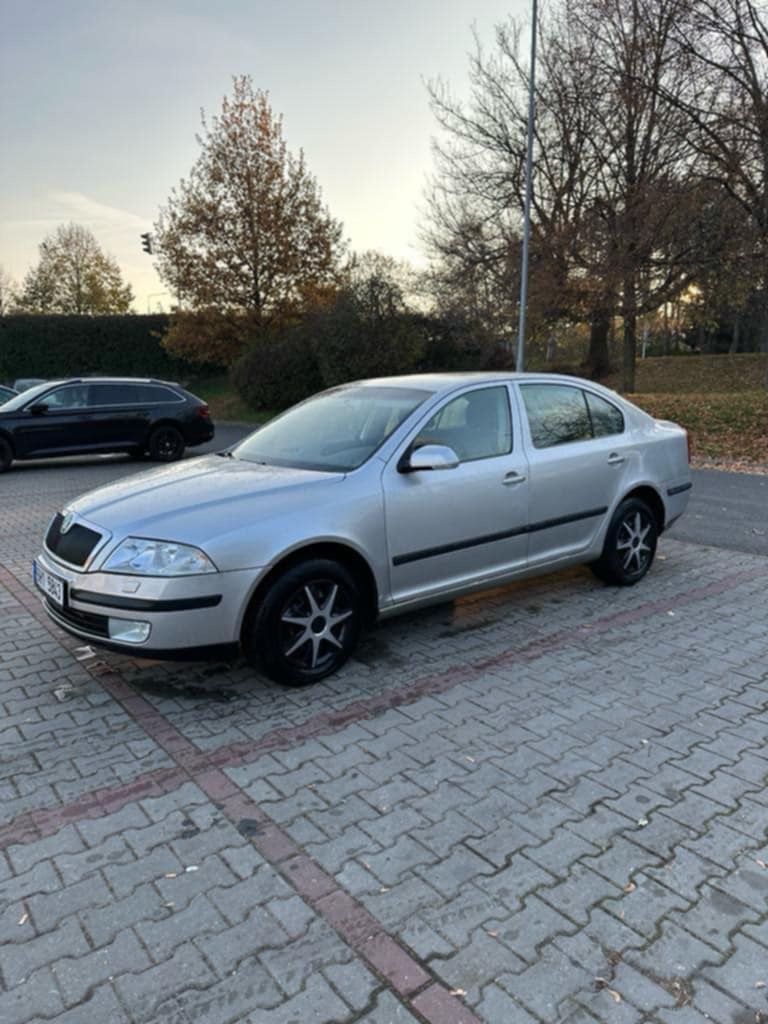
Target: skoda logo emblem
(66, 522)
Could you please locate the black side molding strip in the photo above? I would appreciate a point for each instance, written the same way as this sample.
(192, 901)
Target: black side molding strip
(672, 491)
(143, 604)
(489, 538)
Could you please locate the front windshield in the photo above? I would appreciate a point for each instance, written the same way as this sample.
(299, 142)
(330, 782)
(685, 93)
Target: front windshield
(18, 401)
(335, 431)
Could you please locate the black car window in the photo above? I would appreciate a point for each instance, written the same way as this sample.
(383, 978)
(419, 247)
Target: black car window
(557, 414)
(73, 396)
(606, 418)
(155, 394)
(476, 425)
(112, 394)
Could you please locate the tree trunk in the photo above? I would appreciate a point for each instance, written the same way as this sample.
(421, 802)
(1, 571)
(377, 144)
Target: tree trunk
(598, 359)
(734, 337)
(667, 345)
(629, 350)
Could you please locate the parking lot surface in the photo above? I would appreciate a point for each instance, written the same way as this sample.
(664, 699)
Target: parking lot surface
(545, 803)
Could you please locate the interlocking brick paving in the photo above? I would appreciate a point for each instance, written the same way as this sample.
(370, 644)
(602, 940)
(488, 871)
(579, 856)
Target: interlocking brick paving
(545, 803)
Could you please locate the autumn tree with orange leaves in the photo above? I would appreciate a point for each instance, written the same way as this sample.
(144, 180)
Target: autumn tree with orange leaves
(245, 242)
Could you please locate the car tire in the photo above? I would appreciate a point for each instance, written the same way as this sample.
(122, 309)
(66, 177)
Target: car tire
(291, 634)
(166, 444)
(6, 455)
(630, 545)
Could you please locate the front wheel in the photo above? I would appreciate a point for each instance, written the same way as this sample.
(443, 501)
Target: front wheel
(630, 545)
(166, 444)
(307, 624)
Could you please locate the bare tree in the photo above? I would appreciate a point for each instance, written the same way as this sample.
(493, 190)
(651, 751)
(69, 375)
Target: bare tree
(614, 181)
(726, 103)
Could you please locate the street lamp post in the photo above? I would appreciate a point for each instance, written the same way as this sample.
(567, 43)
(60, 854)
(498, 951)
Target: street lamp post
(520, 361)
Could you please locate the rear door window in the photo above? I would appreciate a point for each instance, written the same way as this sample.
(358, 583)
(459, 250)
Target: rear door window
(557, 414)
(112, 394)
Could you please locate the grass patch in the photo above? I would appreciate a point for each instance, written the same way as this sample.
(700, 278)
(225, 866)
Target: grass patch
(224, 401)
(700, 374)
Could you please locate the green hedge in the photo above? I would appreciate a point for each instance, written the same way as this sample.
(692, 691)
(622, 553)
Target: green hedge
(34, 345)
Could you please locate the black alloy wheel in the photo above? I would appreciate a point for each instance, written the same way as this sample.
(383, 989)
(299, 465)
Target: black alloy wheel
(630, 545)
(166, 444)
(307, 624)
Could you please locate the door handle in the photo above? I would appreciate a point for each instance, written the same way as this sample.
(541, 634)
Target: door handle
(513, 478)
(616, 460)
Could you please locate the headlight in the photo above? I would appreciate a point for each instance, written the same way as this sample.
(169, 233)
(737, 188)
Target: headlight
(158, 558)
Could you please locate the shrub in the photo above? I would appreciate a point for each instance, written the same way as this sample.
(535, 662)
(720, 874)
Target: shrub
(279, 370)
(351, 343)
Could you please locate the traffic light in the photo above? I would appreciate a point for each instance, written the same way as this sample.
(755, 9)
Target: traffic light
(146, 242)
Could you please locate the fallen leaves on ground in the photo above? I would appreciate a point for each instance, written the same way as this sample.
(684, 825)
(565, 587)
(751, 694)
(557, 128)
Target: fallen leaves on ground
(728, 430)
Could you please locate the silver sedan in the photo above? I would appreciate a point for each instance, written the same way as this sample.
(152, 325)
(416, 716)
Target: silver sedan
(363, 501)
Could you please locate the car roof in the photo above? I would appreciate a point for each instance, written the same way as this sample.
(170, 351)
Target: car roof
(446, 382)
(110, 380)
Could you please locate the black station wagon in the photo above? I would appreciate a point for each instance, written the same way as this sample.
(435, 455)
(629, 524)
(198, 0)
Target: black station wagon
(99, 415)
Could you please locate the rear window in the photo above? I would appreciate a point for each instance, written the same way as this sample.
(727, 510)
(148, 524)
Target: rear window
(153, 394)
(606, 418)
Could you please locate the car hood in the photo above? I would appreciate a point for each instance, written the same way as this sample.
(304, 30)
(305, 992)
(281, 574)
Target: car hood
(195, 500)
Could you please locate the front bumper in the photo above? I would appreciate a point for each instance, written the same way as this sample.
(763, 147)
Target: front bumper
(187, 616)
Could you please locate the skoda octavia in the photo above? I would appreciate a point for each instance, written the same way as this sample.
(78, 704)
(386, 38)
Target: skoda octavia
(363, 501)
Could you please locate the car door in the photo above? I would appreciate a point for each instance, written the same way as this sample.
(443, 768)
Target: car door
(54, 423)
(117, 417)
(579, 451)
(449, 528)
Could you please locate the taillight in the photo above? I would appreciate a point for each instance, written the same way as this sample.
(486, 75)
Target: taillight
(203, 412)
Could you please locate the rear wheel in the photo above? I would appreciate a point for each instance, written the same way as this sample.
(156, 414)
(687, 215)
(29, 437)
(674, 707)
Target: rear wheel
(630, 545)
(307, 624)
(166, 444)
(6, 455)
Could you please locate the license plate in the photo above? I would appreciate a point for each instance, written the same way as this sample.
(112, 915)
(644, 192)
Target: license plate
(50, 585)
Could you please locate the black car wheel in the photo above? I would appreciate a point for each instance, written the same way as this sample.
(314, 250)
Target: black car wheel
(166, 444)
(307, 624)
(630, 545)
(6, 455)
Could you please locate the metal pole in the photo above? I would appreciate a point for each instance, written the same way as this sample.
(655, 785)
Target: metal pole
(520, 362)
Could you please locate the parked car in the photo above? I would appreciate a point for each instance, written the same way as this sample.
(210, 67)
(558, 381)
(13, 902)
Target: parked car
(6, 393)
(25, 383)
(102, 414)
(363, 501)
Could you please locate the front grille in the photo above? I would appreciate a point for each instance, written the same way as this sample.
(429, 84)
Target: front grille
(75, 545)
(85, 621)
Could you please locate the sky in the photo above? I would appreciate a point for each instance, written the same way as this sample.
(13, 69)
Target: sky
(100, 103)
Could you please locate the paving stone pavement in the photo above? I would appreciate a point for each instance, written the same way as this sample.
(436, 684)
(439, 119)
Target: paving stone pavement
(546, 803)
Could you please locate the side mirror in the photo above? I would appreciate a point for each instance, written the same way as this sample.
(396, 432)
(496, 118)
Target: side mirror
(429, 456)
(38, 409)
